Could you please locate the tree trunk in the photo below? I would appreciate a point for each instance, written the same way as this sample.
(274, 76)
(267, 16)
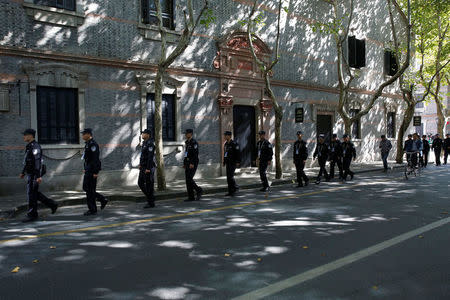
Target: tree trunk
(278, 123)
(441, 117)
(161, 176)
(407, 117)
(347, 125)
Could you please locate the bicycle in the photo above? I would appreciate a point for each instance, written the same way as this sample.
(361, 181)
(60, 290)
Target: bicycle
(413, 168)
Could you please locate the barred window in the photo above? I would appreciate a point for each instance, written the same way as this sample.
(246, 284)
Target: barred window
(356, 126)
(57, 115)
(391, 125)
(168, 115)
(356, 52)
(390, 63)
(149, 13)
(64, 4)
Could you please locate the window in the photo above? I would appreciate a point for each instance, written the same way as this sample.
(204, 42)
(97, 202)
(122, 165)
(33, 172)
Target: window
(149, 13)
(420, 104)
(391, 125)
(168, 115)
(57, 115)
(356, 52)
(390, 63)
(64, 4)
(356, 126)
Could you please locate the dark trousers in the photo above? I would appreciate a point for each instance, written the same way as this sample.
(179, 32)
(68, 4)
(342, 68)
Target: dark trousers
(90, 186)
(437, 155)
(190, 183)
(384, 157)
(424, 159)
(263, 173)
(412, 159)
(232, 186)
(34, 196)
(445, 157)
(338, 162)
(146, 183)
(300, 166)
(347, 161)
(323, 170)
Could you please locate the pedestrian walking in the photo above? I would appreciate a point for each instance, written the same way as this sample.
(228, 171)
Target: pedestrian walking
(348, 153)
(265, 153)
(425, 151)
(446, 147)
(300, 157)
(231, 161)
(92, 167)
(385, 148)
(147, 165)
(408, 146)
(335, 156)
(437, 148)
(190, 165)
(321, 153)
(34, 169)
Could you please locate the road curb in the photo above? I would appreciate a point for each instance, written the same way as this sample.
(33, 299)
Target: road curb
(11, 213)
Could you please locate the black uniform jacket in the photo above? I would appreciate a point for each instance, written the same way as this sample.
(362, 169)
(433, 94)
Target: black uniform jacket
(300, 151)
(231, 153)
(91, 156)
(265, 150)
(348, 150)
(321, 151)
(191, 152)
(147, 160)
(335, 150)
(32, 161)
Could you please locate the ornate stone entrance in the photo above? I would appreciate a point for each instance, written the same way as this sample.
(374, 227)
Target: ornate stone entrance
(241, 82)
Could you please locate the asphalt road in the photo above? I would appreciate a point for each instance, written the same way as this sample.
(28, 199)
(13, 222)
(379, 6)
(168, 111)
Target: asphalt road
(378, 237)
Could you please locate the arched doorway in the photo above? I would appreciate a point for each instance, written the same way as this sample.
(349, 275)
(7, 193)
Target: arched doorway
(244, 107)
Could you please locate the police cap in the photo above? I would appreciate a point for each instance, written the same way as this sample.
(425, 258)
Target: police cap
(227, 133)
(87, 130)
(29, 131)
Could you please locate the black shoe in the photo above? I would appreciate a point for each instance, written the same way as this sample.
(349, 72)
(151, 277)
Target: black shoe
(103, 203)
(351, 177)
(90, 213)
(150, 205)
(262, 189)
(29, 219)
(317, 181)
(54, 208)
(266, 189)
(229, 194)
(327, 179)
(189, 200)
(199, 195)
(300, 185)
(306, 182)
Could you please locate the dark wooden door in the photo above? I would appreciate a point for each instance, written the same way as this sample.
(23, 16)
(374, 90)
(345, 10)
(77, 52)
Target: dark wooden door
(324, 126)
(244, 132)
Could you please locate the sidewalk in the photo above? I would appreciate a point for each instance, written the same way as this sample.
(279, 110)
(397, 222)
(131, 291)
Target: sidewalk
(12, 205)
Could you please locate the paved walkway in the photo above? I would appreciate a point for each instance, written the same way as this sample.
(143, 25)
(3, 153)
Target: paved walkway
(13, 204)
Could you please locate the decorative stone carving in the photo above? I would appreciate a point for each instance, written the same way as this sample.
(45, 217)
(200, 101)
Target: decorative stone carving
(225, 103)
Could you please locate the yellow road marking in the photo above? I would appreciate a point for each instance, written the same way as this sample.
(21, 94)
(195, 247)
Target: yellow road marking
(197, 212)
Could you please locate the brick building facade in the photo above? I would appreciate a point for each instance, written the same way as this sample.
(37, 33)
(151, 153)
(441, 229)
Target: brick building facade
(66, 65)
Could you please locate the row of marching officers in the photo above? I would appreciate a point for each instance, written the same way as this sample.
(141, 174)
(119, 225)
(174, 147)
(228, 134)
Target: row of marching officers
(338, 153)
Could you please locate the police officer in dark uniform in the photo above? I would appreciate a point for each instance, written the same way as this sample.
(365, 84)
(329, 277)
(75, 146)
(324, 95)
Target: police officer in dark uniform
(300, 157)
(321, 153)
(425, 151)
(437, 147)
(147, 166)
(231, 160)
(446, 147)
(92, 167)
(265, 153)
(190, 165)
(335, 155)
(34, 170)
(348, 153)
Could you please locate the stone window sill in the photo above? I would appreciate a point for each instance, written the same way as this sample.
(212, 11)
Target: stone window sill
(54, 15)
(151, 32)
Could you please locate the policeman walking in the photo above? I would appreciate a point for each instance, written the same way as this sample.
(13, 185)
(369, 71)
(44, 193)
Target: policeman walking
(300, 157)
(348, 152)
(34, 170)
(335, 156)
(425, 151)
(92, 167)
(147, 165)
(231, 160)
(321, 153)
(437, 147)
(190, 165)
(446, 147)
(265, 153)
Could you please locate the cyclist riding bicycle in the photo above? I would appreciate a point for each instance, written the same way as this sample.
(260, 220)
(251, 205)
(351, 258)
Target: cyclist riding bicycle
(413, 147)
